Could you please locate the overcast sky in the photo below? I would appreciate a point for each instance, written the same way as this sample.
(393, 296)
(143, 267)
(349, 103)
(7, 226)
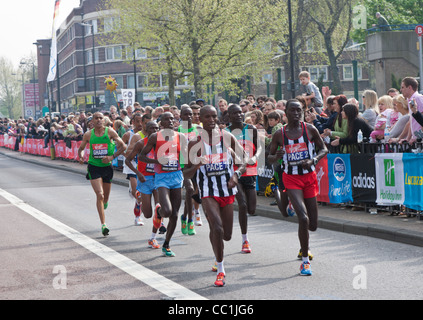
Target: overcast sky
(25, 21)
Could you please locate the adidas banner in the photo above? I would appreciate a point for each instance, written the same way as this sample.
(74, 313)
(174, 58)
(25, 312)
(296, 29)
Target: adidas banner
(363, 175)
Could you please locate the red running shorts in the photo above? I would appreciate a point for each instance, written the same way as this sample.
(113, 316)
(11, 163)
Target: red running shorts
(307, 183)
(223, 201)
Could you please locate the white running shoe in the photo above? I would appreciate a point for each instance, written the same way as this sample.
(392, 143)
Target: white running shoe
(138, 221)
(197, 220)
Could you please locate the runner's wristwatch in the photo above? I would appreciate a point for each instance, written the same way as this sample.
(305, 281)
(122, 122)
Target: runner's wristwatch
(315, 161)
(238, 173)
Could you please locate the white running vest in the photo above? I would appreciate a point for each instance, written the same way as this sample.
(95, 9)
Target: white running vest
(297, 150)
(213, 177)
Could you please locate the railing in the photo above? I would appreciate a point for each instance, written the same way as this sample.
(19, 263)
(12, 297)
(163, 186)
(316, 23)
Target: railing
(392, 27)
(366, 148)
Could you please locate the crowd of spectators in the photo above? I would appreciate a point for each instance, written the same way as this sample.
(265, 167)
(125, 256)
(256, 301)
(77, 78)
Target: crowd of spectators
(337, 118)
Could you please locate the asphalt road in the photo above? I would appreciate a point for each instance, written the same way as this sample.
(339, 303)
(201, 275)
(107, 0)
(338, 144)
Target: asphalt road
(51, 248)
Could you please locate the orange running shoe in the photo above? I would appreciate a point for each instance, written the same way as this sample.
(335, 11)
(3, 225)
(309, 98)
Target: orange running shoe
(220, 280)
(152, 243)
(156, 220)
(246, 247)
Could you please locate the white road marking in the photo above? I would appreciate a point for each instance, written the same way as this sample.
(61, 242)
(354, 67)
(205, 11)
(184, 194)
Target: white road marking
(143, 274)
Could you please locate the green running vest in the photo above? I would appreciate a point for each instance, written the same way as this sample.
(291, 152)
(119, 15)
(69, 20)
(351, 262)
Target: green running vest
(100, 147)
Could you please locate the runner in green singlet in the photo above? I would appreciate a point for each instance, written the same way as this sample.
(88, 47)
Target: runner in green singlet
(100, 171)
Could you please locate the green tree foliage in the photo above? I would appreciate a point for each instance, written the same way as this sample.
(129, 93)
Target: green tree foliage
(10, 91)
(332, 19)
(395, 11)
(210, 41)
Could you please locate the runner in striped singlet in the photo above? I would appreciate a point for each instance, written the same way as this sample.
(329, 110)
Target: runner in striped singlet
(298, 141)
(211, 156)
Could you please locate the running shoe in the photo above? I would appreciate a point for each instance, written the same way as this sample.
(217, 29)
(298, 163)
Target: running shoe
(184, 225)
(300, 255)
(214, 267)
(246, 247)
(138, 221)
(138, 195)
(162, 229)
(105, 205)
(156, 220)
(190, 228)
(152, 243)
(167, 252)
(305, 269)
(197, 220)
(104, 230)
(137, 209)
(290, 209)
(220, 280)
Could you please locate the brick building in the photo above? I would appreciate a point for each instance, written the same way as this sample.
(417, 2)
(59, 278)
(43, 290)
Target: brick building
(76, 76)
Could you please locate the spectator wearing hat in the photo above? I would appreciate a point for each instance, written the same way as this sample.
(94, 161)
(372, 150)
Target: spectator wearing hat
(200, 102)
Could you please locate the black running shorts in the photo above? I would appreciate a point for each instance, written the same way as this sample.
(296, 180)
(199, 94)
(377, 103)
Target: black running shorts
(94, 172)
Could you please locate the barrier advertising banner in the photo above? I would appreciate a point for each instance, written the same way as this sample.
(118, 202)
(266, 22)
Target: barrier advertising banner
(363, 174)
(389, 179)
(413, 180)
(339, 168)
(322, 174)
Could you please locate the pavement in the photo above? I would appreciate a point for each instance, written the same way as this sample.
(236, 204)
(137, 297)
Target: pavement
(340, 218)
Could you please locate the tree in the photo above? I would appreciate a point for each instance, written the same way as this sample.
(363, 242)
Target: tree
(333, 20)
(10, 92)
(395, 11)
(210, 41)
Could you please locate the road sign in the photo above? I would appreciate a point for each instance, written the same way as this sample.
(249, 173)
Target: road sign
(419, 30)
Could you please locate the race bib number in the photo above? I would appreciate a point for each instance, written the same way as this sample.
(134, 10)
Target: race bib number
(150, 167)
(296, 153)
(217, 164)
(173, 164)
(100, 150)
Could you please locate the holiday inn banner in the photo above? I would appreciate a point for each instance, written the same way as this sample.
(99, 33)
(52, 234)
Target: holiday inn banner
(389, 179)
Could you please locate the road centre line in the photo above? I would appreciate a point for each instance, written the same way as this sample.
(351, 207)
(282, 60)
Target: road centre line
(143, 274)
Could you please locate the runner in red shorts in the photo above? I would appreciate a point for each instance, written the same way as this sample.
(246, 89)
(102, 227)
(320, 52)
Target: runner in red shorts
(212, 156)
(297, 141)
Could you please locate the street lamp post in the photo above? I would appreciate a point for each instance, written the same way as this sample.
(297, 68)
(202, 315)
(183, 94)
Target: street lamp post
(50, 103)
(94, 75)
(291, 44)
(135, 75)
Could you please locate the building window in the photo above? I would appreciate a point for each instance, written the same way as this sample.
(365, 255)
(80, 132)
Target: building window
(89, 56)
(88, 29)
(114, 53)
(143, 81)
(119, 81)
(267, 77)
(317, 72)
(181, 82)
(349, 74)
(130, 82)
(141, 54)
(110, 23)
(164, 78)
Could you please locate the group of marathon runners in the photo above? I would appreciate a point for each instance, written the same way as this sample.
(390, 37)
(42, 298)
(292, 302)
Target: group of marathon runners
(215, 166)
